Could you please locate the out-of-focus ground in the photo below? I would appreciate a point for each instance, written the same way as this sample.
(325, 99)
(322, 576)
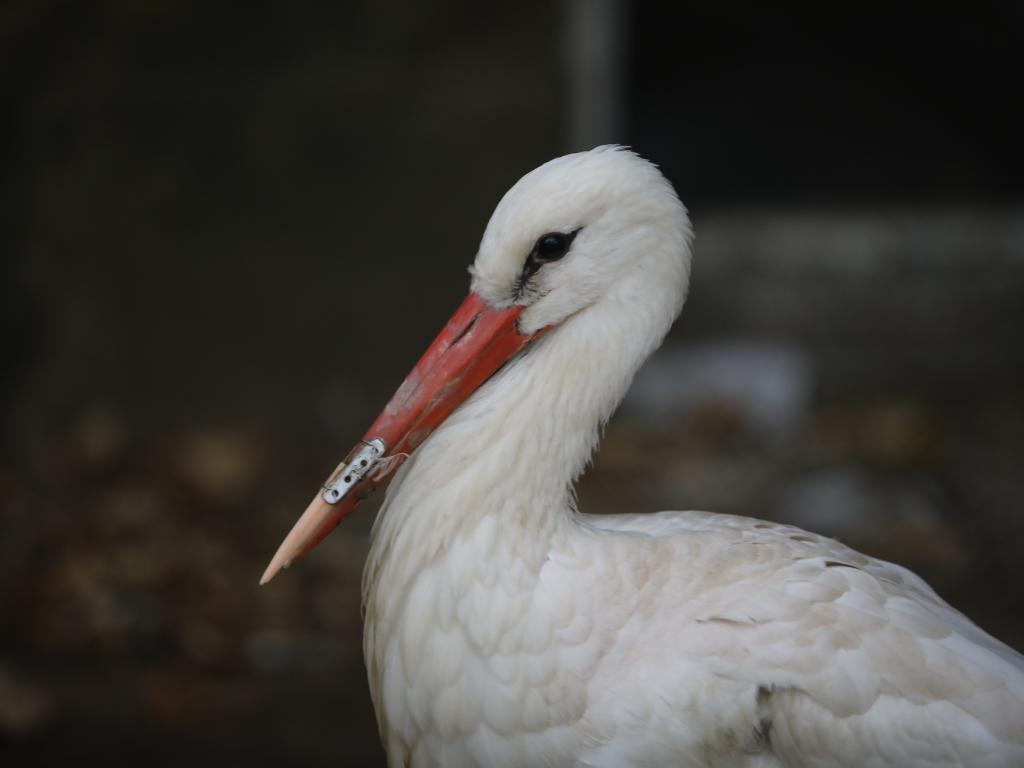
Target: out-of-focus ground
(233, 232)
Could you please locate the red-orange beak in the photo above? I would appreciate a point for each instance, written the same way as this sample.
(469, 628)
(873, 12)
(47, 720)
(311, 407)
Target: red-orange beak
(473, 344)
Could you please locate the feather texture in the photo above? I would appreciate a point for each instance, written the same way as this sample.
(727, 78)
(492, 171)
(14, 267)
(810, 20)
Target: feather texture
(504, 628)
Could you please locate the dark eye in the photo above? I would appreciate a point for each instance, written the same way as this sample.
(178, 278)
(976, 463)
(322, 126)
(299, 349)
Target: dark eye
(548, 248)
(553, 246)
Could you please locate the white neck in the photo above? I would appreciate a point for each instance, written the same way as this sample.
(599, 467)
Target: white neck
(472, 517)
(454, 579)
(507, 458)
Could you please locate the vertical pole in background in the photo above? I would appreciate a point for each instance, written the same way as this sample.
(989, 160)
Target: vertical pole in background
(597, 36)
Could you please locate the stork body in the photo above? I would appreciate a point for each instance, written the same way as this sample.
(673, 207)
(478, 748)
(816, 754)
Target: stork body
(506, 628)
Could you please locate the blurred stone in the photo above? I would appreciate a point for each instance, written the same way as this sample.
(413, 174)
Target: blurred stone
(336, 600)
(203, 642)
(99, 435)
(730, 484)
(759, 387)
(321, 652)
(129, 506)
(222, 464)
(885, 432)
(895, 520)
(177, 694)
(269, 650)
(23, 706)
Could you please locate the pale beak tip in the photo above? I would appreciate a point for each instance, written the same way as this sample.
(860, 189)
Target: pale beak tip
(280, 560)
(291, 548)
(268, 574)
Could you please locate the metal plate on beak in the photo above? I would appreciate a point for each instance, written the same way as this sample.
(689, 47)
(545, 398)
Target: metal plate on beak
(347, 475)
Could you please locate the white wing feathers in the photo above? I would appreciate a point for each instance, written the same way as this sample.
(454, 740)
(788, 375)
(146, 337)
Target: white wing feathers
(851, 660)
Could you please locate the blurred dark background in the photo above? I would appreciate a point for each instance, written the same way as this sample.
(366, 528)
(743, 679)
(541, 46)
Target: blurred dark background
(230, 229)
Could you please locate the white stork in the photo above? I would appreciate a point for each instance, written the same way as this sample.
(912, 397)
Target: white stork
(504, 627)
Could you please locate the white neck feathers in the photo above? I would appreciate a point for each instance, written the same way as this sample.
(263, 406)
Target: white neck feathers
(510, 454)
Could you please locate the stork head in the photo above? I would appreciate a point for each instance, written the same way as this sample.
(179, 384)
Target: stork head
(576, 233)
(576, 230)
